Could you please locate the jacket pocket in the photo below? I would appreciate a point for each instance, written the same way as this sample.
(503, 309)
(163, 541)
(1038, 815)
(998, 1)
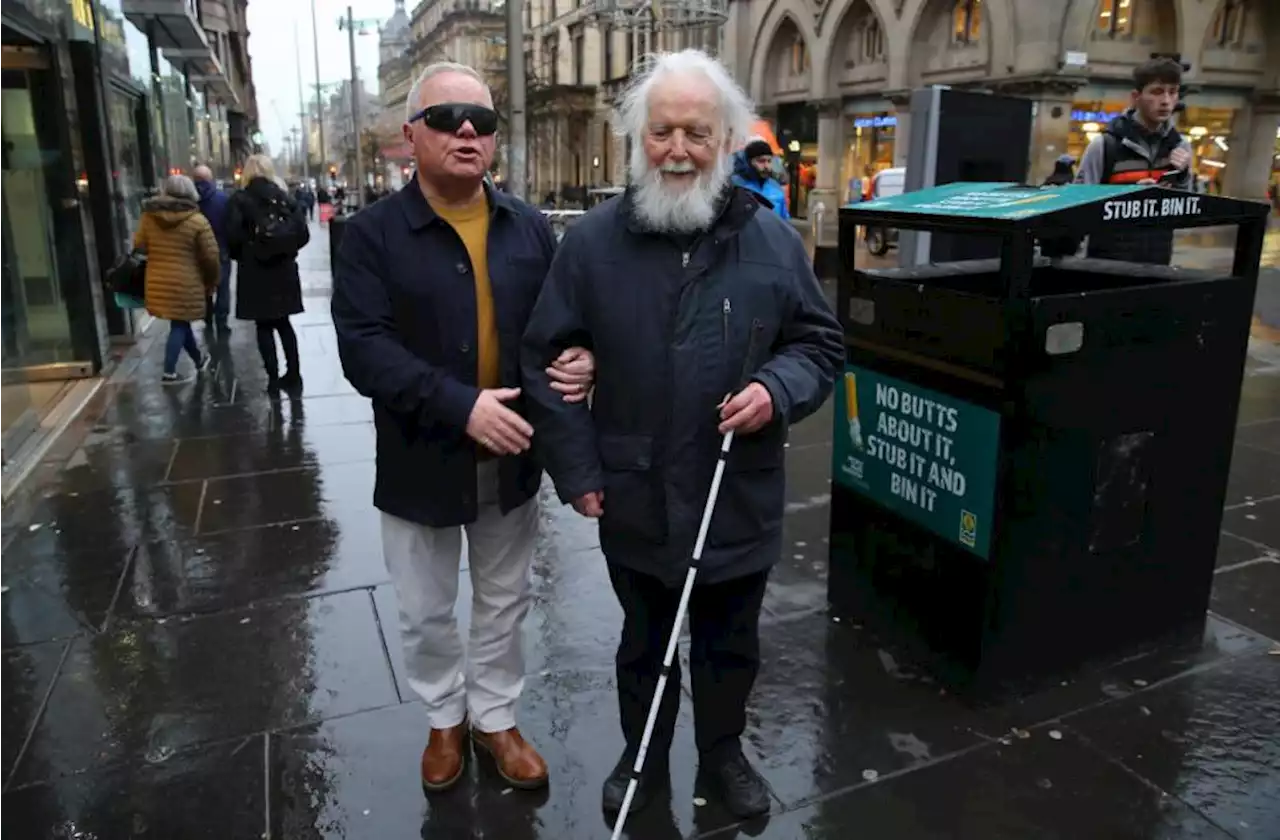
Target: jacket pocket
(752, 492)
(633, 499)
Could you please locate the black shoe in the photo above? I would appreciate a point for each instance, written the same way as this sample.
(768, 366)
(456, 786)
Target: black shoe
(291, 381)
(738, 785)
(273, 385)
(651, 781)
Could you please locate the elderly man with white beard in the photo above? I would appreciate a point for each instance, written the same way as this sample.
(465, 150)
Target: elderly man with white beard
(704, 315)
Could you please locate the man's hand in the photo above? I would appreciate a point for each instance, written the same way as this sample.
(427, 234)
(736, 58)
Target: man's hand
(1180, 157)
(750, 410)
(592, 504)
(572, 374)
(496, 427)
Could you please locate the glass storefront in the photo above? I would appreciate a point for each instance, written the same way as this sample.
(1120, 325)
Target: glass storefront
(869, 149)
(797, 133)
(37, 326)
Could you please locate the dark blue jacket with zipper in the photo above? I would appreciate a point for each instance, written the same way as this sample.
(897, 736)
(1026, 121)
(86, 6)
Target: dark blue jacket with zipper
(404, 307)
(674, 325)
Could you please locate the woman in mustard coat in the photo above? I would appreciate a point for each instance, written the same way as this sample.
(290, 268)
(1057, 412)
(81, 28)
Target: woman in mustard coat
(182, 267)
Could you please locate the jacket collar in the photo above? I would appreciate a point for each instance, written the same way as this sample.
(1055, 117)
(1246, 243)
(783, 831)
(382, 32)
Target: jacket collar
(418, 211)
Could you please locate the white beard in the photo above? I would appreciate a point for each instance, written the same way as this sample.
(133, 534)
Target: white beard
(663, 209)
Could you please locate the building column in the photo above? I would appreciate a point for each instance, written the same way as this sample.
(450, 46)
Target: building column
(901, 127)
(1253, 138)
(1050, 129)
(826, 191)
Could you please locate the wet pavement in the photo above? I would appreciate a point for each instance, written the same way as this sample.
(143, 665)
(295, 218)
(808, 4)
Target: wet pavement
(200, 642)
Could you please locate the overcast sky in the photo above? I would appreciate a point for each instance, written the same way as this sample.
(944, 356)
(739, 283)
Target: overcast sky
(276, 65)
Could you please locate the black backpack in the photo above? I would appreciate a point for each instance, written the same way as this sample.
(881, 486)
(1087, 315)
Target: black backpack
(276, 231)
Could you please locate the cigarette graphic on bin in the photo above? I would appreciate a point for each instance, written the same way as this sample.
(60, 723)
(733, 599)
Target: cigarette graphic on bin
(851, 408)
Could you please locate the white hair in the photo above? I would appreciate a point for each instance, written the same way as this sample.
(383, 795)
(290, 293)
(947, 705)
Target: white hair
(658, 205)
(737, 112)
(179, 186)
(411, 105)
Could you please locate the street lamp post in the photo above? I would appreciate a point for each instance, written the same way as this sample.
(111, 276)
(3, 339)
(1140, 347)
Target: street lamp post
(355, 110)
(315, 46)
(350, 25)
(302, 111)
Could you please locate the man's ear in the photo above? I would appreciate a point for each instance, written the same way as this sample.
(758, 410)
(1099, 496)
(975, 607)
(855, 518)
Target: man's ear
(408, 133)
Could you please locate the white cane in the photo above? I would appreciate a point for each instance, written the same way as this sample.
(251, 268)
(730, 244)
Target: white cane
(675, 636)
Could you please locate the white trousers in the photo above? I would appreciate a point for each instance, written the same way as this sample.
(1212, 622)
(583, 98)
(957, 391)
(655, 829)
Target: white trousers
(423, 563)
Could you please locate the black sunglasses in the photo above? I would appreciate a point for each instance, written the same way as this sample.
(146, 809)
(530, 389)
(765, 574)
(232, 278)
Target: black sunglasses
(449, 117)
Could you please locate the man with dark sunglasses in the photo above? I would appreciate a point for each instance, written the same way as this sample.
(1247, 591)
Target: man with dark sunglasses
(432, 290)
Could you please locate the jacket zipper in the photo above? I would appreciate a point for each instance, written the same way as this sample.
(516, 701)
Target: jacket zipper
(727, 310)
(684, 259)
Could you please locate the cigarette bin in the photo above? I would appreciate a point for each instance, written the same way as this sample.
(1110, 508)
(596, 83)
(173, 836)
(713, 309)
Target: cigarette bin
(1030, 454)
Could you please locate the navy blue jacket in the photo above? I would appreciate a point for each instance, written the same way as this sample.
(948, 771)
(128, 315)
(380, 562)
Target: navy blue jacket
(213, 204)
(674, 326)
(404, 307)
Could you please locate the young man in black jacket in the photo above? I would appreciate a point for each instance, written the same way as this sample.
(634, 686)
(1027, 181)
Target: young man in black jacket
(1141, 146)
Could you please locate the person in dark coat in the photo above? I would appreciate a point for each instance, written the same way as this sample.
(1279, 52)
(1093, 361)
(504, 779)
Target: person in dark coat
(213, 204)
(431, 292)
(268, 289)
(683, 287)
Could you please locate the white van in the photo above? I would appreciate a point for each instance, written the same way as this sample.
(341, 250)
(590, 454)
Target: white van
(885, 183)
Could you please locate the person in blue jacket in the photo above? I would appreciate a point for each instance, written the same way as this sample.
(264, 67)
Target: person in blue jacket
(753, 170)
(213, 204)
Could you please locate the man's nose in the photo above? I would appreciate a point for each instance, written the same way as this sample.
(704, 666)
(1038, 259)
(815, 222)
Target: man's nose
(466, 130)
(679, 146)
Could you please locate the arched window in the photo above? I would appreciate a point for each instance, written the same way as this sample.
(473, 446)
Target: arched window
(799, 55)
(1115, 18)
(966, 21)
(1227, 29)
(872, 40)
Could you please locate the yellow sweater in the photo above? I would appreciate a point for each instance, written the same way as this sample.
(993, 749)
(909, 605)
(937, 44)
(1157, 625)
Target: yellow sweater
(472, 225)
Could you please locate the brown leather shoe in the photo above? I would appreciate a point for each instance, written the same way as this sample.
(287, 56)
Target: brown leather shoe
(443, 759)
(518, 763)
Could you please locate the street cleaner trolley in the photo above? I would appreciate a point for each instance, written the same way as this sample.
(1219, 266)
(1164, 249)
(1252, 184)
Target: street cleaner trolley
(1031, 454)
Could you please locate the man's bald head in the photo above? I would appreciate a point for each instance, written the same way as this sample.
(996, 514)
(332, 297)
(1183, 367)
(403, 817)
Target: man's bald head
(202, 173)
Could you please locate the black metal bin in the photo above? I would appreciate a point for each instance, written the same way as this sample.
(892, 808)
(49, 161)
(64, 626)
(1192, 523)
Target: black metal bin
(1031, 455)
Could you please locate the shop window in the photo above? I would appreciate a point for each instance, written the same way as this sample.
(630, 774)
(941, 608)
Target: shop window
(1115, 18)
(966, 22)
(1228, 24)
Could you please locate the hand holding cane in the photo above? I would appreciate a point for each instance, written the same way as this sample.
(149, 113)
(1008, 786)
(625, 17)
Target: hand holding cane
(678, 622)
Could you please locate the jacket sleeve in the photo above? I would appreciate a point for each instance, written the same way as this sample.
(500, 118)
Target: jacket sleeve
(374, 359)
(207, 254)
(809, 350)
(564, 436)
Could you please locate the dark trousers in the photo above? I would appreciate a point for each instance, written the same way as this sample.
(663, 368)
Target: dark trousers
(222, 302)
(724, 657)
(267, 346)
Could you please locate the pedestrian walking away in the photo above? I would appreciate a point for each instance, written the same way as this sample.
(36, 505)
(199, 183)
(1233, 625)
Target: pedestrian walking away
(183, 268)
(213, 204)
(433, 287)
(266, 229)
(678, 286)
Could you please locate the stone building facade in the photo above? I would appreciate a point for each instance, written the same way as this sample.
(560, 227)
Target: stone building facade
(834, 77)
